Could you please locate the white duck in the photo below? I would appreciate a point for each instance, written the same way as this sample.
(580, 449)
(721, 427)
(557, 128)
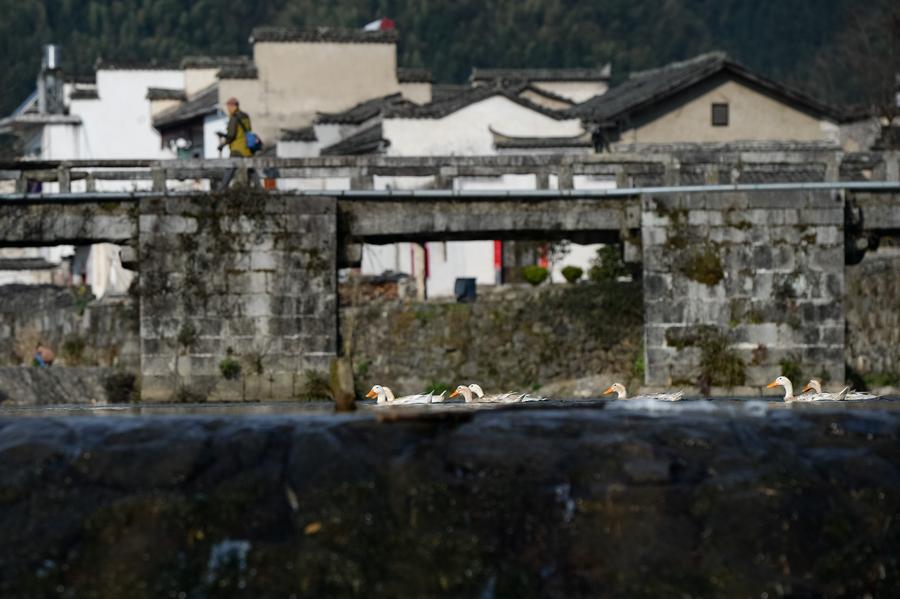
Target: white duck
(386, 396)
(619, 390)
(785, 382)
(465, 392)
(510, 397)
(845, 394)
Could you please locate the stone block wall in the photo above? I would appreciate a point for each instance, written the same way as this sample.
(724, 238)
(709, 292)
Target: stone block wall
(873, 317)
(239, 295)
(555, 337)
(739, 287)
(81, 331)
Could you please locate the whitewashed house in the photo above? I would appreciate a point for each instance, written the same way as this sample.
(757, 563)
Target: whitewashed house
(107, 117)
(480, 120)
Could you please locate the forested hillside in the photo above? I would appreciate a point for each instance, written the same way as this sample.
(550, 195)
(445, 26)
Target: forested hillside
(795, 41)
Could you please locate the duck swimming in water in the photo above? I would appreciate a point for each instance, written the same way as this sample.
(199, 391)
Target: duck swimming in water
(783, 381)
(846, 393)
(384, 394)
(621, 393)
(510, 397)
(386, 397)
(465, 392)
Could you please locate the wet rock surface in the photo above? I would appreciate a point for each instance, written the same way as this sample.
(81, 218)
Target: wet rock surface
(532, 501)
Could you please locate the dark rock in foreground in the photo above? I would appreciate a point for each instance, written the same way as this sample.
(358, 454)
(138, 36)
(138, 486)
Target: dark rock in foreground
(508, 503)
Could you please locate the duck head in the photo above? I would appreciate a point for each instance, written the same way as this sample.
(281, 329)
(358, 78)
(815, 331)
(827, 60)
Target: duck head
(813, 385)
(476, 389)
(465, 392)
(618, 389)
(383, 394)
(783, 381)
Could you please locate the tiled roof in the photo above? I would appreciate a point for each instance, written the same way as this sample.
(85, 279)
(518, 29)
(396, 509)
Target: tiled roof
(81, 93)
(162, 93)
(215, 62)
(244, 71)
(548, 94)
(367, 141)
(441, 108)
(445, 91)
(323, 34)
(645, 88)
(407, 75)
(363, 111)
(303, 134)
(87, 78)
(510, 142)
(204, 102)
(125, 65)
(26, 263)
(584, 74)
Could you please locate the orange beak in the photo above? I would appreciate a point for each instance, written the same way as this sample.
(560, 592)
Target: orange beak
(772, 384)
(371, 394)
(609, 390)
(806, 388)
(455, 393)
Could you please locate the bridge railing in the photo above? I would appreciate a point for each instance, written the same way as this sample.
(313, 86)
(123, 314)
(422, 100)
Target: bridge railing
(696, 167)
(346, 172)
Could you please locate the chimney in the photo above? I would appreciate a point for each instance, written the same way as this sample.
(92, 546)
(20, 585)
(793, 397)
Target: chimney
(50, 82)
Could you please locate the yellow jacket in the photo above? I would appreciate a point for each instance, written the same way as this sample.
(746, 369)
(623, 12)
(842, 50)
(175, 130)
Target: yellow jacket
(238, 125)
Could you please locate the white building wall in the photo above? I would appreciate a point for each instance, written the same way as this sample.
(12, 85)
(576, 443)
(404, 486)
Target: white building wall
(211, 124)
(467, 131)
(118, 124)
(60, 142)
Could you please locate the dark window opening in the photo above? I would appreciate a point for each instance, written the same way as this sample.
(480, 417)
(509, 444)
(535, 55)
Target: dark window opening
(720, 115)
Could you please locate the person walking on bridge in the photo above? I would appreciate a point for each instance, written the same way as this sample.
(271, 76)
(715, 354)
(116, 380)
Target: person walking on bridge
(239, 130)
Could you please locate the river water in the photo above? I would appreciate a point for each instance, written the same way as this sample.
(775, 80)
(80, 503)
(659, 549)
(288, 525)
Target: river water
(723, 406)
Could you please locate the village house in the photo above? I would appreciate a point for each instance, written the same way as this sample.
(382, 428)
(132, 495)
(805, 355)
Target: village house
(707, 99)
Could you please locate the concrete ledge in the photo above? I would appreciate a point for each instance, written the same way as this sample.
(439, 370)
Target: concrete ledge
(688, 500)
(21, 386)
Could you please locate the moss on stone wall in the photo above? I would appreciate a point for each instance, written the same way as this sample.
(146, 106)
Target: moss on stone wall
(702, 264)
(516, 337)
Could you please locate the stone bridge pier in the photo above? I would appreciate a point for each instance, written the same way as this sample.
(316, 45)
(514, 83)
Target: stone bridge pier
(238, 295)
(738, 286)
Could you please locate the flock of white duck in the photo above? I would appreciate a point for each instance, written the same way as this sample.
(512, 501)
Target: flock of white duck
(474, 394)
(469, 393)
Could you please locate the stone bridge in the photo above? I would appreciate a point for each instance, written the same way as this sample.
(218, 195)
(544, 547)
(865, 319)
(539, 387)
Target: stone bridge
(238, 287)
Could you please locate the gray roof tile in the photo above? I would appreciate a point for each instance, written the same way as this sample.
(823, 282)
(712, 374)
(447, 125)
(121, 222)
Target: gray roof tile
(204, 102)
(323, 34)
(646, 88)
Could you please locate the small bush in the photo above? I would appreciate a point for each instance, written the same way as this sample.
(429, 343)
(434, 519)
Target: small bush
(73, 350)
(187, 335)
(535, 274)
(230, 368)
(792, 368)
(607, 265)
(437, 388)
(316, 387)
(572, 273)
(122, 387)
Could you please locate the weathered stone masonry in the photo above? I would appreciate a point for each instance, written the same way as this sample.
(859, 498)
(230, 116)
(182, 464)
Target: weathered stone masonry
(238, 295)
(738, 284)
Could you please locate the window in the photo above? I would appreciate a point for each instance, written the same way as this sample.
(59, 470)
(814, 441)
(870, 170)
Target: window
(720, 115)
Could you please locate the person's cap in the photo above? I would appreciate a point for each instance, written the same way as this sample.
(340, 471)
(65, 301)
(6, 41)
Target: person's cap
(232, 101)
